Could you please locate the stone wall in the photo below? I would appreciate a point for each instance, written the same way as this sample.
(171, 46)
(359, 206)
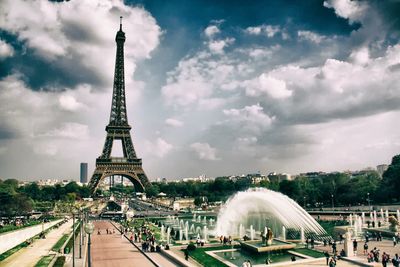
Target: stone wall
(11, 239)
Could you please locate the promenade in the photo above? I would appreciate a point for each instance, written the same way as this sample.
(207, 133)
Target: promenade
(114, 250)
(30, 255)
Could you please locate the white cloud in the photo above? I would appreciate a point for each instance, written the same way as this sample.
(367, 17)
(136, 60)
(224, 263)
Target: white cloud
(70, 130)
(360, 56)
(311, 36)
(218, 46)
(6, 50)
(211, 30)
(68, 102)
(268, 30)
(352, 10)
(174, 122)
(62, 29)
(158, 148)
(204, 151)
(266, 84)
(250, 118)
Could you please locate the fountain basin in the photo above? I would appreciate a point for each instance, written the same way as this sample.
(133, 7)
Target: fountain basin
(258, 247)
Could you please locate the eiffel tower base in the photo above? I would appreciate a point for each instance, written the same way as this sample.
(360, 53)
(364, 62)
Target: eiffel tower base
(133, 171)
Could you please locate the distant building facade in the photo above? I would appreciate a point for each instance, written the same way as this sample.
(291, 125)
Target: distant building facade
(84, 173)
(381, 169)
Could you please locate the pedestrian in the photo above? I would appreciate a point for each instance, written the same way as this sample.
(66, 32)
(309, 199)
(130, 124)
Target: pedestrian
(365, 248)
(332, 262)
(394, 241)
(312, 242)
(186, 254)
(396, 260)
(385, 259)
(334, 247)
(326, 254)
(355, 247)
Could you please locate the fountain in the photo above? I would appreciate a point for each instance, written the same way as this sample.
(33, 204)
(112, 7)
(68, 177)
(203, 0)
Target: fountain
(398, 214)
(257, 206)
(241, 231)
(302, 237)
(283, 233)
(168, 234)
(162, 232)
(180, 234)
(251, 232)
(351, 220)
(387, 216)
(187, 232)
(205, 233)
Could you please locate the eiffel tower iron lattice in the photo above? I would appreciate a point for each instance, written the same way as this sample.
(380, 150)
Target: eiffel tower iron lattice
(129, 165)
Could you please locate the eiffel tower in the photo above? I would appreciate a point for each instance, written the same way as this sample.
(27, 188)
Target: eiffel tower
(129, 165)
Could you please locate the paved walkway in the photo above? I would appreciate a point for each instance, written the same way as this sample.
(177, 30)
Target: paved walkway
(114, 250)
(30, 255)
(383, 246)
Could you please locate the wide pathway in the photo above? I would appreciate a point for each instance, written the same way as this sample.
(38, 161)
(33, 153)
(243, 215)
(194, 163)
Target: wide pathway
(114, 250)
(30, 255)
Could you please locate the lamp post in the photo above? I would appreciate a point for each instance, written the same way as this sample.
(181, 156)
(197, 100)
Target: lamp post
(73, 239)
(304, 202)
(333, 207)
(369, 202)
(89, 227)
(80, 233)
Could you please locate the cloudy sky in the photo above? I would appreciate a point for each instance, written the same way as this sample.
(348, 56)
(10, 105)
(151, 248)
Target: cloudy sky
(213, 87)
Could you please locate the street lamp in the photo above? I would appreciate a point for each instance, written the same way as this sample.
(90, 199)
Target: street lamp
(80, 233)
(73, 239)
(333, 207)
(369, 202)
(89, 227)
(304, 202)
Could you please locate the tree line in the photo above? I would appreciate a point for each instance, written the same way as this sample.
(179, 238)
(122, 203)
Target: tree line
(18, 200)
(323, 190)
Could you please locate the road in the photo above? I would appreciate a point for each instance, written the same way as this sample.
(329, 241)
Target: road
(30, 255)
(113, 250)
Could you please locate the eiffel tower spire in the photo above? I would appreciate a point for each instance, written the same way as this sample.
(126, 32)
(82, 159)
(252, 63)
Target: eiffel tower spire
(118, 116)
(118, 129)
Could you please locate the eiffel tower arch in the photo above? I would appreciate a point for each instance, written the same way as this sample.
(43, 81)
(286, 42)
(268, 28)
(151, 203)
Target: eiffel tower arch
(128, 165)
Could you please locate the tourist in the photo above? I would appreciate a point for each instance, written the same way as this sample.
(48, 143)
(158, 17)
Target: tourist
(394, 241)
(293, 258)
(326, 254)
(312, 242)
(332, 262)
(396, 260)
(186, 254)
(370, 256)
(334, 247)
(342, 254)
(230, 240)
(307, 240)
(355, 247)
(365, 248)
(385, 259)
(107, 230)
(98, 231)
(268, 261)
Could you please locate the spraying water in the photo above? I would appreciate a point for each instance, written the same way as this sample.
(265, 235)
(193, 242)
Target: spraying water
(260, 206)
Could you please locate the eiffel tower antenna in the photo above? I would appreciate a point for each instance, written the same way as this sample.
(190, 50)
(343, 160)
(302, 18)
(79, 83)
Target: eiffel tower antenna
(120, 23)
(129, 165)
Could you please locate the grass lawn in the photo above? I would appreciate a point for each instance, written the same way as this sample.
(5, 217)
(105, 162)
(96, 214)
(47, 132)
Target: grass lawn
(8, 228)
(330, 225)
(60, 243)
(309, 252)
(9, 252)
(201, 257)
(44, 261)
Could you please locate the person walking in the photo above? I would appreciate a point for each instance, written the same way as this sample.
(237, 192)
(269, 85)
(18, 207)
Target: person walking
(355, 247)
(326, 254)
(394, 241)
(365, 248)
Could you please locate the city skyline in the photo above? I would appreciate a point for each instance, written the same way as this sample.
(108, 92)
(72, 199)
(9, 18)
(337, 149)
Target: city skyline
(216, 88)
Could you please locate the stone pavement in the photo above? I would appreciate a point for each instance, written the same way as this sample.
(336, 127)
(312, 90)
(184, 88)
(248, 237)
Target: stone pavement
(30, 255)
(114, 250)
(384, 246)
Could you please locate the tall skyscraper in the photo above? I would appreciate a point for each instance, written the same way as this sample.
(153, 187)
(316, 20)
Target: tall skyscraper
(84, 172)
